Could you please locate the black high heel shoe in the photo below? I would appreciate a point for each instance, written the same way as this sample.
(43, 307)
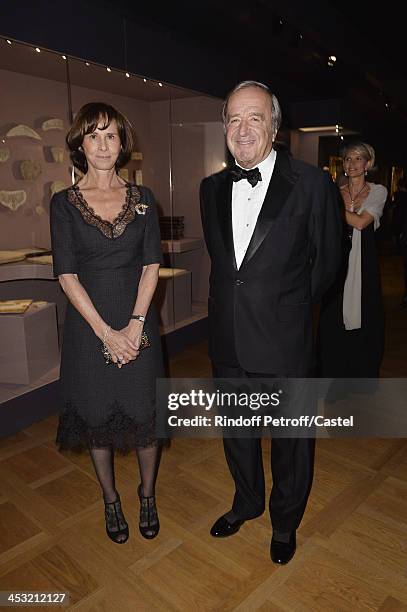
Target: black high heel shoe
(149, 524)
(116, 524)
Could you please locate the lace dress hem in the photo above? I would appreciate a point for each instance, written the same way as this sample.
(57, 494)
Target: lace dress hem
(119, 431)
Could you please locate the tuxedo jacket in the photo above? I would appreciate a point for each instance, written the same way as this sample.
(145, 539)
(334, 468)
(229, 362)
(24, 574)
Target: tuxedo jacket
(260, 316)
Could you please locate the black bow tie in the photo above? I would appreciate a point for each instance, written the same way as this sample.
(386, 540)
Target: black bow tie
(238, 173)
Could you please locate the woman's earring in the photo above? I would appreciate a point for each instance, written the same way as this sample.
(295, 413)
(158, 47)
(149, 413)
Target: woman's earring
(365, 172)
(345, 173)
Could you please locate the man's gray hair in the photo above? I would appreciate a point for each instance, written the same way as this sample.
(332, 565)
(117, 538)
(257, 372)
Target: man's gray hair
(276, 115)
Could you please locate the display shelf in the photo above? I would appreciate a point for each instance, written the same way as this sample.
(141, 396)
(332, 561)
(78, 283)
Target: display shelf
(199, 311)
(21, 270)
(173, 296)
(29, 347)
(181, 245)
(10, 391)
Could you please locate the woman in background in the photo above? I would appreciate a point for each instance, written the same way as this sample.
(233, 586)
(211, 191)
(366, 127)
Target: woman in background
(351, 325)
(106, 253)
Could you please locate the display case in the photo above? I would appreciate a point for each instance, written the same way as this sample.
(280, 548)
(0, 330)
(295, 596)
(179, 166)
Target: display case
(179, 139)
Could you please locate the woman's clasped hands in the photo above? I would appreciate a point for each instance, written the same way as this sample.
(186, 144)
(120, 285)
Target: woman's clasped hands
(123, 345)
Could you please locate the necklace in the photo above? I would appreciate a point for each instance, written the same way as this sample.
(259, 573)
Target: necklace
(353, 200)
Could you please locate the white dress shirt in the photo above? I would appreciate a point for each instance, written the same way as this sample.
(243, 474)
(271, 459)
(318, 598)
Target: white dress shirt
(246, 205)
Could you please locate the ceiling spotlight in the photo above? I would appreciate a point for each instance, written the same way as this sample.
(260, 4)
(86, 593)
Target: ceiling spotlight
(145, 80)
(108, 69)
(8, 42)
(64, 57)
(332, 58)
(387, 105)
(87, 64)
(160, 84)
(277, 24)
(127, 75)
(341, 137)
(38, 50)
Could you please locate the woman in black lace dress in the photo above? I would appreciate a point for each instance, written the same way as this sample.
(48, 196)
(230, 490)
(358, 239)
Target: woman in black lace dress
(107, 253)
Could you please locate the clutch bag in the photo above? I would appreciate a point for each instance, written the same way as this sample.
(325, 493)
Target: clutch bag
(144, 343)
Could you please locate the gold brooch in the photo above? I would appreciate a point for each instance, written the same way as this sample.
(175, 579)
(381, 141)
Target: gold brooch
(141, 208)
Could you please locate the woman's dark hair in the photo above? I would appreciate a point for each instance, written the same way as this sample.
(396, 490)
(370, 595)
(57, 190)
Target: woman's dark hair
(86, 121)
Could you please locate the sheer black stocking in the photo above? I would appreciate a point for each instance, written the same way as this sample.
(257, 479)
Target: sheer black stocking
(103, 462)
(148, 460)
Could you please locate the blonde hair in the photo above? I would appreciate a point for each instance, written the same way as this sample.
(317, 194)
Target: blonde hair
(363, 148)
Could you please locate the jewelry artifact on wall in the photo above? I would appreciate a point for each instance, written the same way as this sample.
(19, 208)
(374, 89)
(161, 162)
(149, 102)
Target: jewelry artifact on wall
(124, 174)
(23, 130)
(57, 186)
(53, 124)
(139, 177)
(57, 154)
(40, 210)
(4, 154)
(13, 199)
(30, 169)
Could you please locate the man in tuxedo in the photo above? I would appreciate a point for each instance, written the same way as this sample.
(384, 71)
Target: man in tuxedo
(273, 232)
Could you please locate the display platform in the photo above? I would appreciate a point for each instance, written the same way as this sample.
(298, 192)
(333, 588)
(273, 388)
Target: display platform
(182, 245)
(29, 344)
(23, 405)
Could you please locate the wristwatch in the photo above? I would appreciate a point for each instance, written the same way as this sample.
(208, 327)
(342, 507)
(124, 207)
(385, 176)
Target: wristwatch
(138, 317)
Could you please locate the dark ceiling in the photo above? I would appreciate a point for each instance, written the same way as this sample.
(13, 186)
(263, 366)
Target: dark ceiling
(209, 45)
(289, 42)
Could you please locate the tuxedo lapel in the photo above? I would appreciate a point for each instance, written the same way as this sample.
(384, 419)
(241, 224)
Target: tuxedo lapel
(282, 182)
(224, 208)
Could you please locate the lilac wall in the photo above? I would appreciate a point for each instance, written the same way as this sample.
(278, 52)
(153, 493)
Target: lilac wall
(31, 100)
(181, 141)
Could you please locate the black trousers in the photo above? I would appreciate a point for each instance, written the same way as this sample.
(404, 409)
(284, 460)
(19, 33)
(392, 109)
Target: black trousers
(292, 468)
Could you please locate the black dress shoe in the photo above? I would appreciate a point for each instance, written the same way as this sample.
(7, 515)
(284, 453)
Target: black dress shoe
(223, 528)
(283, 552)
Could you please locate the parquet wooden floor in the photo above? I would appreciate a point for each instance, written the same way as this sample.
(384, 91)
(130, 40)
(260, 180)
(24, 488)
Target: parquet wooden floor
(352, 544)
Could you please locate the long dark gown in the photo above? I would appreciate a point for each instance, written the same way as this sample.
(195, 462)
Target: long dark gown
(102, 405)
(354, 353)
